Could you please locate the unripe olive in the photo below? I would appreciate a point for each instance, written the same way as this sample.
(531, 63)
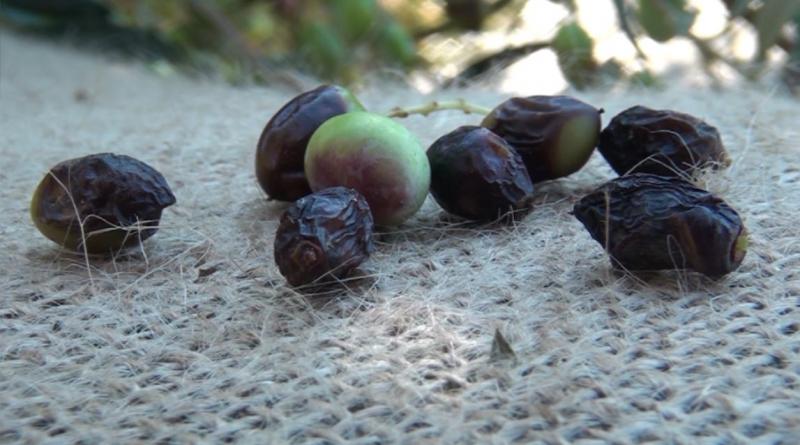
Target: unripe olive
(374, 155)
(555, 135)
(282, 146)
(475, 174)
(116, 198)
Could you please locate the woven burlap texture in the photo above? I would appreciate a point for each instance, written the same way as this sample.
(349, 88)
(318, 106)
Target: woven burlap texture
(196, 338)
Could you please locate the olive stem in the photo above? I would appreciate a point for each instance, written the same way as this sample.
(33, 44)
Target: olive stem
(459, 104)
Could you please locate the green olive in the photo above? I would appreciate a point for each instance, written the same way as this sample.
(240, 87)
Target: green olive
(374, 155)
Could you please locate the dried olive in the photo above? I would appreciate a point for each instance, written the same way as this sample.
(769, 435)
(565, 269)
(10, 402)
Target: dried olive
(475, 174)
(651, 222)
(119, 200)
(555, 135)
(323, 236)
(662, 142)
(282, 146)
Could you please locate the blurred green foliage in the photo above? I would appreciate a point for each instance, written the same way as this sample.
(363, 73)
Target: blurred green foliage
(338, 40)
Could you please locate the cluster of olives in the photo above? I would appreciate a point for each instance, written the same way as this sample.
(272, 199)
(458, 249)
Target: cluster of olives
(346, 170)
(350, 169)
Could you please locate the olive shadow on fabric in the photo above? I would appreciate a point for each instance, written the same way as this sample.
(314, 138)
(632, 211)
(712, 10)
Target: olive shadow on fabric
(667, 285)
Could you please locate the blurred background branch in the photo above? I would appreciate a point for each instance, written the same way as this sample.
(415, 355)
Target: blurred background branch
(272, 41)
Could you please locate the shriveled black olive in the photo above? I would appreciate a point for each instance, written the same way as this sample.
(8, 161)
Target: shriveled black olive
(475, 174)
(119, 200)
(662, 142)
(282, 145)
(555, 135)
(323, 236)
(651, 222)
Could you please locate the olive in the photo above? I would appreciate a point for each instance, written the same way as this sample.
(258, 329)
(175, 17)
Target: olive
(282, 146)
(662, 142)
(651, 222)
(374, 155)
(475, 174)
(555, 135)
(109, 201)
(323, 236)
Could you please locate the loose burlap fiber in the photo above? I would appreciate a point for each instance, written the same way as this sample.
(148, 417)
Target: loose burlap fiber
(195, 338)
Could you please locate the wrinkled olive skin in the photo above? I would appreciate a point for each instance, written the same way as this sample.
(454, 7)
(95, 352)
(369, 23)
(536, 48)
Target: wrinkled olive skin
(661, 142)
(377, 157)
(656, 223)
(476, 175)
(282, 145)
(107, 190)
(555, 135)
(323, 236)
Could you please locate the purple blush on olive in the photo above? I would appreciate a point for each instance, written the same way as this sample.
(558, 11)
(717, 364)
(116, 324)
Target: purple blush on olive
(374, 155)
(282, 146)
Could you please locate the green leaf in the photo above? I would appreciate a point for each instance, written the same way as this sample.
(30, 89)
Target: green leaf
(323, 49)
(398, 44)
(769, 22)
(574, 48)
(664, 19)
(355, 17)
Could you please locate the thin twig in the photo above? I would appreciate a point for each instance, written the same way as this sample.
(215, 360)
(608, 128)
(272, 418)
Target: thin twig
(499, 60)
(622, 15)
(459, 104)
(712, 55)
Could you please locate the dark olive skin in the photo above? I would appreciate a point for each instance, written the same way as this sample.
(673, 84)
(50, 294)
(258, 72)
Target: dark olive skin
(282, 146)
(114, 195)
(324, 236)
(651, 222)
(555, 135)
(476, 175)
(661, 142)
